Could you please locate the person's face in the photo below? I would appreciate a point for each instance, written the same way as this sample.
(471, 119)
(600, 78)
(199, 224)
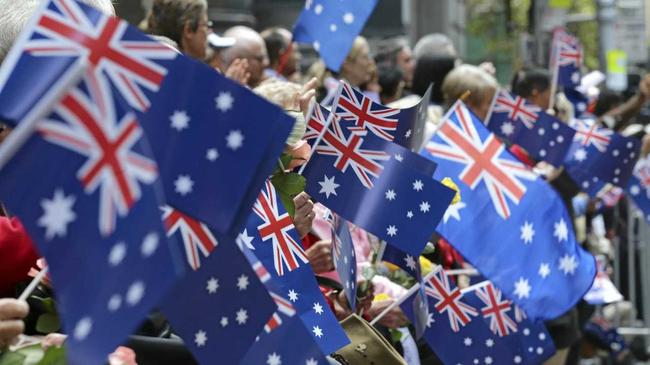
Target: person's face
(258, 60)
(357, 70)
(195, 42)
(406, 63)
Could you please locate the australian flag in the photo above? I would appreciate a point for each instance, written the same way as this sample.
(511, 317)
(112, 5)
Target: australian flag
(272, 346)
(212, 144)
(344, 257)
(204, 124)
(566, 59)
(479, 326)
(599, 155)
(271, 235)
(64, 32)
(80, 176)
(419, 303)
(520, 122)
(331, 27)
(511, 226)
(228, 302)
(319, 117)
(365, 179)
(402, 126)
(639, 187)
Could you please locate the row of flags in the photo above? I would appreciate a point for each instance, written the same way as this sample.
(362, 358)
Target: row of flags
(134, 132)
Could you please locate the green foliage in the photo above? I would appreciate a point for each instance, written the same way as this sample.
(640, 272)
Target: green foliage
(34, 355)
(53, 356)
(12, 358)
(48, 323)
(287, 184)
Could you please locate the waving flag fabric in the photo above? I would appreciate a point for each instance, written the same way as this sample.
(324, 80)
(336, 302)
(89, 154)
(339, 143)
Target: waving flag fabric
(331, 27)
(201, 134)
(402, 126)
(272, 236)
(365, 180)
(62, 32)
(215, 142)
(566, 59)
(510, 214)
(639, 187)
(478, 327)
(228, 302)
(344, 257)
(599, 155)
(272, 346)
(520, 122)
(319, 118)
(77, 184)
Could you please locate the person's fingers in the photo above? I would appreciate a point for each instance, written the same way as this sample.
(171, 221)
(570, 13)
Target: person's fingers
(13, 309)
(300, 199)
(310, 85)
(9, 329)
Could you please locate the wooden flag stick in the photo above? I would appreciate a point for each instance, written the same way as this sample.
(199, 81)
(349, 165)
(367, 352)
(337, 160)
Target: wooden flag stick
(33, 284)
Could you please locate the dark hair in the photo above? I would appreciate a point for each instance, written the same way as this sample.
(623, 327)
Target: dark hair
(432, 70)
(607, 100)
(168, 17)
(276, 44)
(527, 80)
(389, 78)
(388, 49)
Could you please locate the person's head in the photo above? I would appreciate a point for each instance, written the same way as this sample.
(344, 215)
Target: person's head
(435, 44)
(183, 21)
(607, 100)
(431, 70)
(14, 17)
(391, 82)
(396, 52)
(481, 85)
(534, 85)
(284, 56)
(356, 67)
(249, 45)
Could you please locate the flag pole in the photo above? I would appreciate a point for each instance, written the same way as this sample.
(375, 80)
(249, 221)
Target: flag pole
(401, 299)
(33, 284)
(554, 77)
(494, 99)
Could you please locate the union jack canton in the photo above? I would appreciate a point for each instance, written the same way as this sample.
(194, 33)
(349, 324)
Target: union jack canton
(407, 203)
(465, 337)
(520, 122)
(531, 231)
(64, 31)
(77, 183)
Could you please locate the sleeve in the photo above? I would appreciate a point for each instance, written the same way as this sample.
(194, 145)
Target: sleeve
(17, 254)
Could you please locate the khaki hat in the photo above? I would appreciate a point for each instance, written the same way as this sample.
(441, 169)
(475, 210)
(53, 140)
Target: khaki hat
(367, 346)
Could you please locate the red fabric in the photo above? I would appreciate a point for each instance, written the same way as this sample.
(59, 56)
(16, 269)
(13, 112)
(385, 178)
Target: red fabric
(309, 240)
(17, 255)
(449, 255)
(522, 155)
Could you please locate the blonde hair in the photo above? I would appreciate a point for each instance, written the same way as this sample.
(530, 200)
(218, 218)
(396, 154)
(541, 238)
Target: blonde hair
(284, 94)
(357, 47)
(463, 78)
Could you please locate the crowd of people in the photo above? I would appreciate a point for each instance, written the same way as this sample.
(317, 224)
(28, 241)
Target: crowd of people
(389, 71)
